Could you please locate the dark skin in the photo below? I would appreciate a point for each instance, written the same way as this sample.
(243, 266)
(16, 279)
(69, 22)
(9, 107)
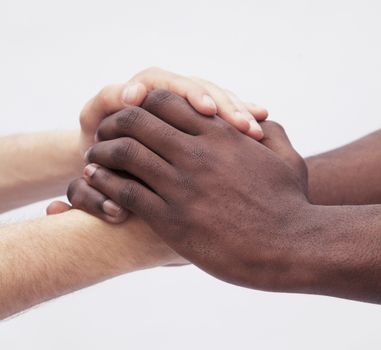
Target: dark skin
(347, 175)
(236, 208)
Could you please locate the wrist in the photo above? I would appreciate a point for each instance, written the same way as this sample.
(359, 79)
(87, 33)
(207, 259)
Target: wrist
(339, 252)
(124, 247)
(300, 255)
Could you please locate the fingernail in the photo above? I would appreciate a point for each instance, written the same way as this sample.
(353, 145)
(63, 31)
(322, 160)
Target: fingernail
(89, 170)
(130, 94)
(208, 101)
(111, 208)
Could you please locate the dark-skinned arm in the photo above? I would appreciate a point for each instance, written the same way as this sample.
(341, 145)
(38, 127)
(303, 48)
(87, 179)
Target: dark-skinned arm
(347, 175)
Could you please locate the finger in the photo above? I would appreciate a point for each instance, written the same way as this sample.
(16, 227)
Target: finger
(128, 193)
(57, 207)
(129, 155)
(84, 197)
(277, 140)
(109, 100)
(133, 93)
(176, 111)
(258, 112)
(106, 102)
(156, 78)
(232, 110)
(255, 131)
(148, 129)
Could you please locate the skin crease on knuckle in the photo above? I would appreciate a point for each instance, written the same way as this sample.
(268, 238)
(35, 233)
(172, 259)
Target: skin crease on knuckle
(157, 97)
(199, 155)
(130, 195)
(126, 151)
(128, 118)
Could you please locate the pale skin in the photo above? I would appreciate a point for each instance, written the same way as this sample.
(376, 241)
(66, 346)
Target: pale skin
(39, 166)
(34, 267)
(48, 257)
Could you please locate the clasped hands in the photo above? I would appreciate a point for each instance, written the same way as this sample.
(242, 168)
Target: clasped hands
(234, 206)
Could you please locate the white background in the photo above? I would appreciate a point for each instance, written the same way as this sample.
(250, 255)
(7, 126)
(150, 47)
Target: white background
(315, 64)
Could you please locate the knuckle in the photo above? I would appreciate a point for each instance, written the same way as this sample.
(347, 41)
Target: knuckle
(157, 97)
(272, 126)
(128, 118)
(153, 167)
(102, 97)
(198, 156)
(125, 151)
(186, 183)
(129, 195)
(166, 131)
(198, 153)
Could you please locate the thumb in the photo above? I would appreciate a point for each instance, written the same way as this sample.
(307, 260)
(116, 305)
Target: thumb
(276, 139)
(57, 207)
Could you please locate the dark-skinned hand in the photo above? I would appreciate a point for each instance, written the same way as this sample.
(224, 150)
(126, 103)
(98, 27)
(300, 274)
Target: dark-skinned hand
(235, 207)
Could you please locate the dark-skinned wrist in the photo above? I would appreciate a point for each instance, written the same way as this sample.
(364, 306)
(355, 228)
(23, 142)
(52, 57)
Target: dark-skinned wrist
(341, 252)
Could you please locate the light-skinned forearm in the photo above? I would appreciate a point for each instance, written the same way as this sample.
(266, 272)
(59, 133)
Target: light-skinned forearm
(51, 256)
(37, 166)
(347, 175)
